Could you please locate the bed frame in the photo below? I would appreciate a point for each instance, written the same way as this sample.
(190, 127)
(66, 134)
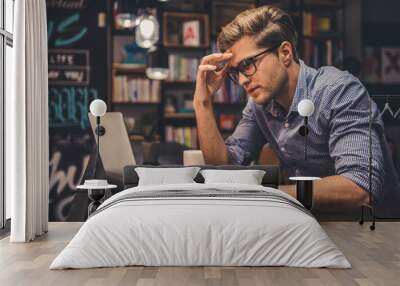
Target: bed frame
(270, 179)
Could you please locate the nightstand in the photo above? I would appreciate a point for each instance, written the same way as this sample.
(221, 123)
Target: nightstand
(304, 190)
(97, 195)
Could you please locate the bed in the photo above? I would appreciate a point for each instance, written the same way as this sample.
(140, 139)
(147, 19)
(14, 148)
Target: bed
(198, 224)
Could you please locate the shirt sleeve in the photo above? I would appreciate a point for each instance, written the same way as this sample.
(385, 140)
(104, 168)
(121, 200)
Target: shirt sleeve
(349, 134)
(246, 141)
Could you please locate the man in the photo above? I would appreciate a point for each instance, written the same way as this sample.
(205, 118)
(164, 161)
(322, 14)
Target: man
(258, 52)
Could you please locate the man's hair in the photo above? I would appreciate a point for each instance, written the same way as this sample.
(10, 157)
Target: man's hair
(269, 26)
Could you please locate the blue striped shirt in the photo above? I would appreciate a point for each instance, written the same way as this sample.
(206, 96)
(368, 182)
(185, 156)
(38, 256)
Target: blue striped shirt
(338, 141)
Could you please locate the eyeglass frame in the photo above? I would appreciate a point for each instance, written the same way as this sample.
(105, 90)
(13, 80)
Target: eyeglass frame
(253, 62)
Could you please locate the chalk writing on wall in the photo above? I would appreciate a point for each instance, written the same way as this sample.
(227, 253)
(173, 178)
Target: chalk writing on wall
(62, 180)
(69, 106)
(69, 67)
(66, 4)
(67, 32)
(77, 75)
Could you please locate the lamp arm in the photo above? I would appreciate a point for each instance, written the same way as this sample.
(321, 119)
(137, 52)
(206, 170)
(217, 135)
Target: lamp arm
(98, 146)
(370, 152)
(306, 135)
(370, 205)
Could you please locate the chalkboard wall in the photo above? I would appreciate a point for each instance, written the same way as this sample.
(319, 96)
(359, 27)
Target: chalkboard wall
(77, 75)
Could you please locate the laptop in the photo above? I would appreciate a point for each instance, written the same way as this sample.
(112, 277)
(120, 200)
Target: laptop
(115, 147)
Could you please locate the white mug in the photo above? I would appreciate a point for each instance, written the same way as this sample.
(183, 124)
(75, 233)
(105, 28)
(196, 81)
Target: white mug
(193, 157)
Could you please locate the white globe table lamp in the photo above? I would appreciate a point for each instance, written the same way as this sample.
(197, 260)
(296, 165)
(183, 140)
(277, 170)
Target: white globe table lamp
(304, 185)
(98, 108)
(98, 189)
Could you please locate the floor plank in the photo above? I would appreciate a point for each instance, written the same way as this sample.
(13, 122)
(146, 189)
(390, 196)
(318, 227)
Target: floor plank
(375, 257)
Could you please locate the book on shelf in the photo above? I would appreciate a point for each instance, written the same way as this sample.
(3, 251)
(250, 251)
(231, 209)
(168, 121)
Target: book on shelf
(191, 33)
(186, 136)
(322, 53)
(316, 24)
(126, 89)
(182, 68)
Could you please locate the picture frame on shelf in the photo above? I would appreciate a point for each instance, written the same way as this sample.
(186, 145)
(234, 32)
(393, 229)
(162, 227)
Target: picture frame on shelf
(390, 63)
(191, 33)
(189, 30)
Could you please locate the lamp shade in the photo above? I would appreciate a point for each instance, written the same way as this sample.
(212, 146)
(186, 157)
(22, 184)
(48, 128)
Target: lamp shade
(157, 63)
(98, 107)
(305, 107)
(125, 20)
(147, 31)
(125, 14)
(157, 73)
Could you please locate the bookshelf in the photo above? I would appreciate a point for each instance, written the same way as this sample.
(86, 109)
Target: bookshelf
(130, 91)
(186, 40)
(144, 101)
(321, 31)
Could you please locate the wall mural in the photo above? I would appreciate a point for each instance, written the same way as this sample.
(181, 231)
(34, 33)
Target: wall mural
(77, 75)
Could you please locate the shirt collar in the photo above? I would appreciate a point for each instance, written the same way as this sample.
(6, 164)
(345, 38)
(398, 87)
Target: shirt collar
(301, 92)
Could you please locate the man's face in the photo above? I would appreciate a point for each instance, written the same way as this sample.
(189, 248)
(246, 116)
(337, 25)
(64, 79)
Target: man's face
(271, 75)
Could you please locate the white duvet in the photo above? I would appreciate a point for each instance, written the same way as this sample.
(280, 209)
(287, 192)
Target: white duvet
(183, 231)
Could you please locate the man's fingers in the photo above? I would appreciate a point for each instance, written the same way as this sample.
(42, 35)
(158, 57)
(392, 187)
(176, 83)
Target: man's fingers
(214, 58)
(208, 58)
(203, 69)
(207, 68)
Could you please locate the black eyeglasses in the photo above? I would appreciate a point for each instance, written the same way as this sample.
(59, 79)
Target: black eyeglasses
(247, 67)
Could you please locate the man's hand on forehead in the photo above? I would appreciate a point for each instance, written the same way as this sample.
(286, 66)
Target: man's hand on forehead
(224, 61)
(218, 60)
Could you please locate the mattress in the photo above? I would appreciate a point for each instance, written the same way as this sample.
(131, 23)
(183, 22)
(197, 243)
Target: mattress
(201, 225)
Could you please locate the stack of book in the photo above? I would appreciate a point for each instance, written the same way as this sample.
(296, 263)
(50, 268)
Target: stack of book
(315, 25)
(184, 135)
(322, 53)
(127, 89)
(230, 92)
(182, 68)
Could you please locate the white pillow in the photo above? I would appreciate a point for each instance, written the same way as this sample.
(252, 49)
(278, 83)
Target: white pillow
(248, 177)
(162, 176)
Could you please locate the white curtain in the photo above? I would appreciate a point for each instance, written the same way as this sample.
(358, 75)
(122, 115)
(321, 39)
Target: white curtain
(27, 155)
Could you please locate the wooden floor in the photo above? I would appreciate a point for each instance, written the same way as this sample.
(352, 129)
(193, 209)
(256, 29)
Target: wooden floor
(375, 257)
